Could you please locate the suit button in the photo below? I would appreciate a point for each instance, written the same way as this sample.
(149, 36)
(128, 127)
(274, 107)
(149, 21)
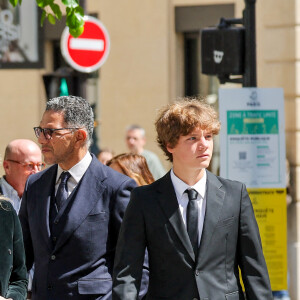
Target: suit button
(56, 222)
(54, 239)
(49, 287)
(53, 257)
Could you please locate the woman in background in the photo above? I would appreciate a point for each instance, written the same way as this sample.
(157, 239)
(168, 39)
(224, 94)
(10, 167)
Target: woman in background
(13, 273)
(132, 165)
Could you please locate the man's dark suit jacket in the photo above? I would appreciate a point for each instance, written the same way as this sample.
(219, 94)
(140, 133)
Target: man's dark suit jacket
(230, 239)
(78, 263)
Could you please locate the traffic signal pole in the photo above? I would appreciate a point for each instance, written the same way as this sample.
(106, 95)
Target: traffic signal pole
(249, 78)
(83, 5)
(235, 39)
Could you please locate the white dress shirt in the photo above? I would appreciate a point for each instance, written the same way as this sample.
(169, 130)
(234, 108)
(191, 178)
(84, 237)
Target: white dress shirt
(183, 199)
(76, 172)
(9, 192)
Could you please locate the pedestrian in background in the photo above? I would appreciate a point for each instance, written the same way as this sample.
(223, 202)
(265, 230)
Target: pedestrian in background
(22, 158)
(199, 229)
(132, 165)
(105, 155)
(136, 141)
(13, 274)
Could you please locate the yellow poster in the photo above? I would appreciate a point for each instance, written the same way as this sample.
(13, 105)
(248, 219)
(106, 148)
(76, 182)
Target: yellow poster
(270, 210)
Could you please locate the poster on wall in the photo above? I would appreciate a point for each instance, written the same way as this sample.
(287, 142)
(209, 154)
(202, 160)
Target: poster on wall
(20, 35)
(270, 211)
(252, 136)
(252, 143)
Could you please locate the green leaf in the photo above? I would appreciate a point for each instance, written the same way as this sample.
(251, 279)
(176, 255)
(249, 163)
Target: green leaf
(42, 3)
(46, 2)
(70, 3)
(74, 13)
(56, 10)
(79, 10)
(43, 16)
(76, 32)
(14, 3)
(51, 19)
(74, 20)
(68, 11)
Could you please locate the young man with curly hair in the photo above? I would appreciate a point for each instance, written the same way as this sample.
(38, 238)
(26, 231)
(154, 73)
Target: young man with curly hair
(199, 229)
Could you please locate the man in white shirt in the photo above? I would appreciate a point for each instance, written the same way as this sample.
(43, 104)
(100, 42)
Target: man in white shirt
(71, 213)
(22, 158)
(199, 229)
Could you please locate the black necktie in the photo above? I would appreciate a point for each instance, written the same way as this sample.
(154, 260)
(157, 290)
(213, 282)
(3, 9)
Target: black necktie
(192, 218)
(62, 191)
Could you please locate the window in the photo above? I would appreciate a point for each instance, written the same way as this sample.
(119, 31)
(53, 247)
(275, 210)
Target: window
(20, 36)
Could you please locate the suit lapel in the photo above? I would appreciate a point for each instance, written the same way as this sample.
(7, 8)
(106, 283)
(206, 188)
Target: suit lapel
(89, 191)
(214, 202)
(43, 196)
(169, 205)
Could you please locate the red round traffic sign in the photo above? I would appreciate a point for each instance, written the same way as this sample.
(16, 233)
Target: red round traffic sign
(89, 51)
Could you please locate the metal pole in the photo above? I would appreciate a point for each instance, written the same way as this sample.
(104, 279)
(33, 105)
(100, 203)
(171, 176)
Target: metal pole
(249, 79)
(81, 78)
(83, 5)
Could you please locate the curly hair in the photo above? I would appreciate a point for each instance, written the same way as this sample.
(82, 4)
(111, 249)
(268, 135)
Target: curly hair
(181, 118)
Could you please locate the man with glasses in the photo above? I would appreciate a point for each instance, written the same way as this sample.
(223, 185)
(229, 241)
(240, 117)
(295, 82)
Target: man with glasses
(71, 213)
(22, 158)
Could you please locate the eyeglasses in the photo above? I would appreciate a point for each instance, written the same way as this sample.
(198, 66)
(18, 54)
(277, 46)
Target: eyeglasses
(29, 166)
(49, 131)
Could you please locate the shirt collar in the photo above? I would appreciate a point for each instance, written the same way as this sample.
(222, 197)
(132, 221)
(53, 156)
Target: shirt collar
(8, 190)
(78, 170)
(180, 186)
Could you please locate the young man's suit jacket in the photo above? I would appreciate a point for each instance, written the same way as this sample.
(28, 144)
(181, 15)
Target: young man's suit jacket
(77, 263)
(230, 239)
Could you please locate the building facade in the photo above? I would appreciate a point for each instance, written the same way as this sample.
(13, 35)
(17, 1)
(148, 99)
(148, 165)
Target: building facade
(154, 59)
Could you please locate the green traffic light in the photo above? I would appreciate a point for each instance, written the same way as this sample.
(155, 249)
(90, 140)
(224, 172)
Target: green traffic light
(64, 91)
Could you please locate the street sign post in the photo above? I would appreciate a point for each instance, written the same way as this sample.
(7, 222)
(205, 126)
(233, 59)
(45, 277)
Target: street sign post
(89, 51)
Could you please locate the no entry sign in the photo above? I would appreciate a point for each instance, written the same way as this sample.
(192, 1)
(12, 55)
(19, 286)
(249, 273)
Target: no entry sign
(89, 51)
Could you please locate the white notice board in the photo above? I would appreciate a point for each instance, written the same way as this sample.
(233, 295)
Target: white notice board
(252, 137)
